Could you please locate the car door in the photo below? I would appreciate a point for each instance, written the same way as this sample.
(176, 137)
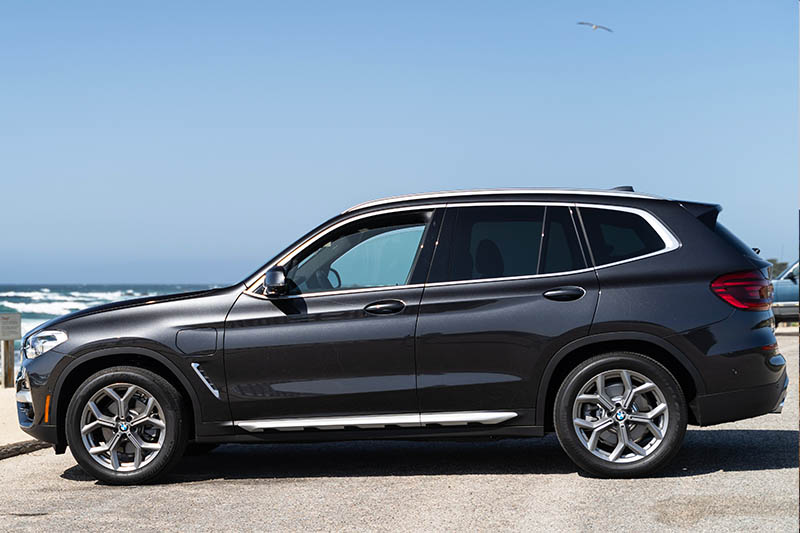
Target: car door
(509, 284)
(340, 342)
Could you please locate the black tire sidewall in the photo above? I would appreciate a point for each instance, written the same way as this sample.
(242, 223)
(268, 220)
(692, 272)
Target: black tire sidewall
(171, 403)
(676, 403)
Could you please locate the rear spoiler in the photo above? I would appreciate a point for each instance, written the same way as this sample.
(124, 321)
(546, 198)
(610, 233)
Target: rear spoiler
(705, 213)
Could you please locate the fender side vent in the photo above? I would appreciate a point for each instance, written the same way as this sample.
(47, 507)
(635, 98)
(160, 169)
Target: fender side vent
(205, 379)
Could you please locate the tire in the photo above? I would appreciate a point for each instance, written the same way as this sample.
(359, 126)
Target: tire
(143, 446)
(589, 427)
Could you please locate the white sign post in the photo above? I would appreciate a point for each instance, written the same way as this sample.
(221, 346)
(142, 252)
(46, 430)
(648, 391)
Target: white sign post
(10, 330)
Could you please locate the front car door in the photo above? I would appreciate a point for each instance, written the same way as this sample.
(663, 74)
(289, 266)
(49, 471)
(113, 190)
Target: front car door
(509, 285)
(340, 343)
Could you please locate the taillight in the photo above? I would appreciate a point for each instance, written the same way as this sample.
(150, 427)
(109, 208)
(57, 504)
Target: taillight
(744, 290)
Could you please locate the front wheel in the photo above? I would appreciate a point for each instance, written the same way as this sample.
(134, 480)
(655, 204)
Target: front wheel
(126, 425)
(620, 415)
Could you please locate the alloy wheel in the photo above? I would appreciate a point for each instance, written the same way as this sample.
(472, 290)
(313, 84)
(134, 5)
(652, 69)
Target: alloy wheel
(620, 416)
(123, 427)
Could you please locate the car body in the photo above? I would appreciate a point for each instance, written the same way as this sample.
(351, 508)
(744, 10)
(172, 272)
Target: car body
(461, 314)
(784, 304)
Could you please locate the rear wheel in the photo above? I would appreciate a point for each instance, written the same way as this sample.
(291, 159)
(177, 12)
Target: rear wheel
(620, 415)
(125, 425)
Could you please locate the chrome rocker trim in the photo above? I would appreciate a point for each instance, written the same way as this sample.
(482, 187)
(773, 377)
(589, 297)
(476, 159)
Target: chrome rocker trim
(378, 421)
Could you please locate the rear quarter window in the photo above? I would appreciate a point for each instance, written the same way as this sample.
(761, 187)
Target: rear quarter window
(618, 235)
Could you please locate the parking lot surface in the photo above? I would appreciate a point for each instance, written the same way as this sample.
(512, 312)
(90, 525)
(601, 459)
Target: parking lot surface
(738, 476)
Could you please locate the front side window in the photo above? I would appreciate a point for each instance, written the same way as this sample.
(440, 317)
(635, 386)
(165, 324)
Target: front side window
(376, 252)
(618, 235)
(495, 242)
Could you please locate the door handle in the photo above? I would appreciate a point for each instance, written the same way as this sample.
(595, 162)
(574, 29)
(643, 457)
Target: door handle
(565, 294)
(385, 307)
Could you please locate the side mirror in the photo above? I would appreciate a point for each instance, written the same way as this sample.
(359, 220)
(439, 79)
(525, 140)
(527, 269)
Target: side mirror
(275, 281)
(792, 277)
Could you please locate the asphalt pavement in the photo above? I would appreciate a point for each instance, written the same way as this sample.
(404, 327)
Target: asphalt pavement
(738, 476)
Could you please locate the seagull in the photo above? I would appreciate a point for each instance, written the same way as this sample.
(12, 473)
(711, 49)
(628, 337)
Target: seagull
(596, 26)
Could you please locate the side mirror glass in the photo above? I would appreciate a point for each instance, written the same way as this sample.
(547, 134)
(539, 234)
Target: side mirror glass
(275, 281)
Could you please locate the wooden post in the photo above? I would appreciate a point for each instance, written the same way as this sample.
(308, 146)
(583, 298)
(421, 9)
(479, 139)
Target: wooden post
(8, 363)
(10, 330)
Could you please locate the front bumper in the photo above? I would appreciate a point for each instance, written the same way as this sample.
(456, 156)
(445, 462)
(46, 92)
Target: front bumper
(36, 411)
(728, 406)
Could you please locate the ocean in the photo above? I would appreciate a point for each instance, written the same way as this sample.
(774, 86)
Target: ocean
(40, 303)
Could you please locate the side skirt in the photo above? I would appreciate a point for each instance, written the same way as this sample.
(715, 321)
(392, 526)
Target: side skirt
(468, 432)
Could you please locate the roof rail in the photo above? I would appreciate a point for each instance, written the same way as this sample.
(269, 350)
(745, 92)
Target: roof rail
(485, 192)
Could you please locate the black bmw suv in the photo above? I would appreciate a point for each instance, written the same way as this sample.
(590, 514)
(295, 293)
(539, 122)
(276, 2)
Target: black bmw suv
(610, 317)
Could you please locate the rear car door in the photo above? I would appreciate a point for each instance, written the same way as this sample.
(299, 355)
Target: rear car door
(341, 341)
(509, 285)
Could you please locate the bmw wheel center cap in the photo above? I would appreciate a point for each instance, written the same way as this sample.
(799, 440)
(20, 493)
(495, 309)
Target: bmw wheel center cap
(620, 415)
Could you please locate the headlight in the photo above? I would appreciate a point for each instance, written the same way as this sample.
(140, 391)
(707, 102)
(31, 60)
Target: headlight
(38, 343)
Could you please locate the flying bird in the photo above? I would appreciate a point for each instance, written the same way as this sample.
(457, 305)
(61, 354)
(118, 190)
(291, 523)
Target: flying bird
(596, 26)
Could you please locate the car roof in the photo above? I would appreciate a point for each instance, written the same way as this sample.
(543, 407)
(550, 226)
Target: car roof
(445, 195)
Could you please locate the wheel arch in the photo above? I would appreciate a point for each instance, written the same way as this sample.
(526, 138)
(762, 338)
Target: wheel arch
(577, 351)
(84, 366)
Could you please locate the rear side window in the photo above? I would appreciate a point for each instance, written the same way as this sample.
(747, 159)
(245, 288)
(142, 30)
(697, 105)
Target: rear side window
(494, 242)
(560, 250)
(618, 235)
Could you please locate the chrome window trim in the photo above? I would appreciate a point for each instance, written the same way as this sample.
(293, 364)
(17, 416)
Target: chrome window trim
(474, 192)
(253, 280)
(506, 278)
(458, 418)
(670, 240)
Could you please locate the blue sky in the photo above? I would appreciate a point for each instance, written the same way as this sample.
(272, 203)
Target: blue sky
(188, 142)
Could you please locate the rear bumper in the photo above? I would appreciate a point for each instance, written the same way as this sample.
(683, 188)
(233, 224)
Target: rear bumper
(713, 409)
(785, 310)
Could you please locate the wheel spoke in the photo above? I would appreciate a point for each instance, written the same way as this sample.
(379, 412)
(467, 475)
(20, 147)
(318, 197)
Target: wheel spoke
(108, 446)
(627, 394)
(111, 393)
(600, 383)
(144, 416)
(126, 399)
(143, 445)
(101, 418)
(596, 399)
(618, 449)
(91, 426)
(630, 444)
(137, 450)
(643, 418)
(600, 428)
(114, 460)
(654, 429)
(641, 389)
